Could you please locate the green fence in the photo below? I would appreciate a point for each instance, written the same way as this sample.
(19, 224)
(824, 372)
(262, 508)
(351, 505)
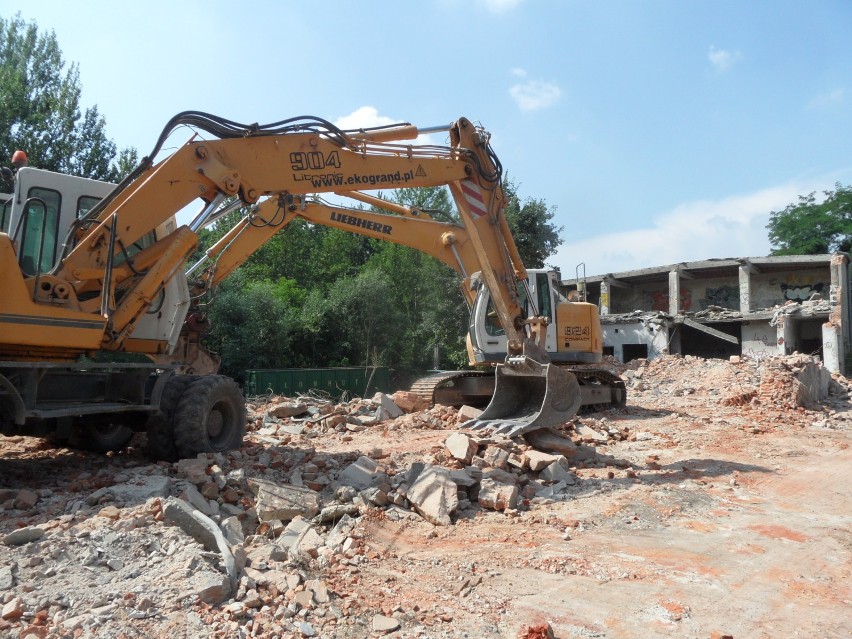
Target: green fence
(354, 381)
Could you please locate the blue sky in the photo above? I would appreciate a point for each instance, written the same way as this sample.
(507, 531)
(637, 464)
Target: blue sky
(661, 131)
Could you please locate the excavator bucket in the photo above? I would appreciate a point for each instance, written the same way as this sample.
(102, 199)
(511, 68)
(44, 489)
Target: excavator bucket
(528, 396)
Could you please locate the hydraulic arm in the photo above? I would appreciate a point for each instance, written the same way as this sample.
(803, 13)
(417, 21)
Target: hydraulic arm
(111, 273)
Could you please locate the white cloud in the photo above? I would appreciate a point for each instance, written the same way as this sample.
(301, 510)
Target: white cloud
(730, 227)
(535, 95)
(363, 118)
(722, 59)
(518, 72)
(501, 6)
(366, 117)
(827, 100)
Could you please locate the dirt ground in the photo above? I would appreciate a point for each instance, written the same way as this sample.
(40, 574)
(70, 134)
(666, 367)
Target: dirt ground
(716, 504)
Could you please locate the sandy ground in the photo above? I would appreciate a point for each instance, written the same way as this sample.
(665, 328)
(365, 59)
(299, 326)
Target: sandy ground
(722, 510)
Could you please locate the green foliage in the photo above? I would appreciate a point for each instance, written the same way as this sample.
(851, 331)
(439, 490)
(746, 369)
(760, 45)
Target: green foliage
(536, 237)
(811, 227)
(435, 201)
(255, 324)
(317, 296)
(40, 108)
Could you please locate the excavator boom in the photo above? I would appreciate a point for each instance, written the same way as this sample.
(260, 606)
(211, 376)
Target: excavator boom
(108, 287)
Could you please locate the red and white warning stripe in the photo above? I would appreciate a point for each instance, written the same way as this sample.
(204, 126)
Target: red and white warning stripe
(473, 196)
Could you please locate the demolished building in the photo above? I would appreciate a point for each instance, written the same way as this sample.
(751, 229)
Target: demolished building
(751, 306)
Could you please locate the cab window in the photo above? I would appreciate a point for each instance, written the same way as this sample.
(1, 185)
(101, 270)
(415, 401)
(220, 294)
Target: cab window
(5, 213)
(41, 220)
(542, 287)
(85, 204)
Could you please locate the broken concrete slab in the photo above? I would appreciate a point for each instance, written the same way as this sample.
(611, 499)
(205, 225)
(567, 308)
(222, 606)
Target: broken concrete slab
(340, 533)
(462, 478)
(233, 530)
(590, 434)
(466, 413)
(387, 404)
(287, 409)
(383, 624)
(204, 530)
(557, 472)
(195, 499)
(23, 536)
(192, 469)
(461, 447)
(360, 474)
(434, 495)
(180, 513)
(294, 531)
(536, 460)
(334, 512)
(140, 490)
(497, 495)
(210, 587)
(496, 457)
(551, 441)
(276, 501)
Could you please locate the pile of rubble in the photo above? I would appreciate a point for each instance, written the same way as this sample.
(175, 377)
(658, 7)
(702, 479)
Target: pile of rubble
(262, 531)
(269, 541)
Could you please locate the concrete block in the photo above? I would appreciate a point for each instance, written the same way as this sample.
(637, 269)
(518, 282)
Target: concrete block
(275, 501)
(434, 495)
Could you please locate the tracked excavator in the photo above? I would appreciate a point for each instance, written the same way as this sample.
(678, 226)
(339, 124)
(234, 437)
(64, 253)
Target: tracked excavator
(102, 322)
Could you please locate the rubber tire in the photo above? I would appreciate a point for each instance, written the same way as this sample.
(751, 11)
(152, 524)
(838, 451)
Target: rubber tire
(210, 417)
(160, 426)
(100, 438)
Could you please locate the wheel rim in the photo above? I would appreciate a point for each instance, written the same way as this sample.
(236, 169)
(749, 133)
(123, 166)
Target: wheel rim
(215, 424)
(219, 424)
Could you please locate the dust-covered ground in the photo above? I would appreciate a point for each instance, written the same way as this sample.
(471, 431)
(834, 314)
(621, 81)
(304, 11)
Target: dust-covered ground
(717, 503)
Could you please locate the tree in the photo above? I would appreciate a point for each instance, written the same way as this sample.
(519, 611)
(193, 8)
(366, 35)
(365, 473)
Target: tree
(40, 108)
(255, 324)
(811, 227)
(536, 237)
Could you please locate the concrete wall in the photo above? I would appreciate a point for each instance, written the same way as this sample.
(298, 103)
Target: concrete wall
(695, 295)
(759, 339)
(654, 336)
(627, 300)
(776, 289)
(698, 294)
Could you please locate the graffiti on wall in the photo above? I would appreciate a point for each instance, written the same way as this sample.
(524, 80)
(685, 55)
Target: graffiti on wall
(723, 296)
(800, 292)
(660, 300)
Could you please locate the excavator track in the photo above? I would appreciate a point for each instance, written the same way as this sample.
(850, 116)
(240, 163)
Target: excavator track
(456, 388)
(600, 388)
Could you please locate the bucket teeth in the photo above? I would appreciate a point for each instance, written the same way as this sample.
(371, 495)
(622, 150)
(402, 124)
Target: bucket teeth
(528, 396)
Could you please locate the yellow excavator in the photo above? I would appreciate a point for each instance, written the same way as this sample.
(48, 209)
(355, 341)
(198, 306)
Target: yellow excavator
(101, 324)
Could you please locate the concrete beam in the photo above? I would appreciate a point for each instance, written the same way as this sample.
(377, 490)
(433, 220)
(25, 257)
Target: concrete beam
(684, 273)
(611, 281)
(708, 330)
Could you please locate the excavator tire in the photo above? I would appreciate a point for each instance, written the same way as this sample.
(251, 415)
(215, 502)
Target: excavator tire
(210, 417)
(160, 426)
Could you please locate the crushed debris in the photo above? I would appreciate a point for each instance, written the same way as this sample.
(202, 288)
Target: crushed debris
(381, 517)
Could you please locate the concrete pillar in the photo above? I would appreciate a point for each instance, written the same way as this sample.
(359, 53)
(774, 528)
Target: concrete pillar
(674, 292)
(745, 289)
(839, 292)
(832, 341)
(604, 303)
(785, 329)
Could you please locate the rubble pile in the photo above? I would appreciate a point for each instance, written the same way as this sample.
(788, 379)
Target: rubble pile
(273, 540)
